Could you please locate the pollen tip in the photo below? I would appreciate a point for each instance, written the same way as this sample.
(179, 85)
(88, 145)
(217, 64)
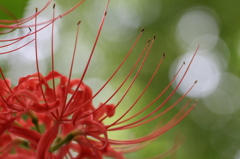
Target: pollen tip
(30, 29)
(184, 62)
(196, 101)
(36, 9)
(79, 22)
(195, 81)
(154, 37)
(54, 6)
(163, 55)
(105, 13)
(142, 29)
(149, 40)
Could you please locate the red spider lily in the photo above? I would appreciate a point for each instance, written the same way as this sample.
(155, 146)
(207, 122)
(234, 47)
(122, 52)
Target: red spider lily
(39, 120)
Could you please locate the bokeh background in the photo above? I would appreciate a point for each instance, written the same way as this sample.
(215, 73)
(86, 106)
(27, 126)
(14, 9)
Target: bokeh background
(212, 129)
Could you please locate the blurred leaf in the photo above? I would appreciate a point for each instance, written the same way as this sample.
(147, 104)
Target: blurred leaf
(12, 9)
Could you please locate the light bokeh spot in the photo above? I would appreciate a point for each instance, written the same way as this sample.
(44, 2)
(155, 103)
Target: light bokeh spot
(226, 98)
(195, 23)
(204, 69)
(124, 18)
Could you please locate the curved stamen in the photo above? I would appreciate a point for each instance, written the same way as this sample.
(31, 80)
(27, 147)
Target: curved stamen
(52, 53)
(19, 22)
(126, 57)
(37, 64)
(135, 77)
(141, 122)
(91, 54)
(71, 68)
(16, 40)
(165, 101)
(160, 95)
(146, 87)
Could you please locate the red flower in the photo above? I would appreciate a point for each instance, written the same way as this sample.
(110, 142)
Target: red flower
(57, 120)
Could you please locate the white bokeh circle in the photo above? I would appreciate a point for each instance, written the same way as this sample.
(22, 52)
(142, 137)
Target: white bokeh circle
(204, 69)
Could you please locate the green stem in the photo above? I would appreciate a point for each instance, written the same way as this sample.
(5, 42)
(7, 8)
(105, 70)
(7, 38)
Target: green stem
(22, 143)
(66, 140)
(35, 121)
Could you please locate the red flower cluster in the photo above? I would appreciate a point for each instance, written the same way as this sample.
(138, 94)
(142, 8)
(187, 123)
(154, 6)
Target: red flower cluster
(45, 119)
(26, 112)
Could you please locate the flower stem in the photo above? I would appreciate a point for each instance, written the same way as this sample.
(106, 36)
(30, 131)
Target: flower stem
(66, 140)
(35, 121)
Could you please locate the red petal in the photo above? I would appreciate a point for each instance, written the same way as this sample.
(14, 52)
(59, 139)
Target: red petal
(25, 133)
(100, 128)
(45, 108)
(46, 141)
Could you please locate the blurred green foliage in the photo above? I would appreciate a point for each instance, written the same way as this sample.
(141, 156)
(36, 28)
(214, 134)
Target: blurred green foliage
(11, 9)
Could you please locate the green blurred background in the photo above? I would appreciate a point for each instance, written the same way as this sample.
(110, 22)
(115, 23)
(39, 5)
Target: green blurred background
(212, 128)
